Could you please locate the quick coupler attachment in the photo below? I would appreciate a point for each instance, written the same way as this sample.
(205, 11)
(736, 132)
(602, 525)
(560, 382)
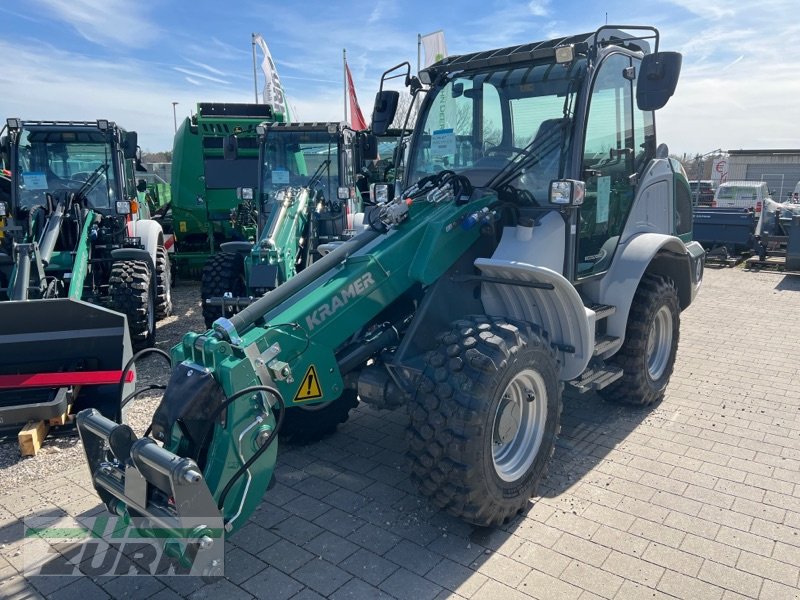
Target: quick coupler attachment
(164, 495)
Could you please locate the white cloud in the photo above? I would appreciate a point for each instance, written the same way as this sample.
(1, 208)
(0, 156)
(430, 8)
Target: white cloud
(201, 75)
(104, 22)
(539, 8)
(208, 68)
(52, 84)
(383, 9)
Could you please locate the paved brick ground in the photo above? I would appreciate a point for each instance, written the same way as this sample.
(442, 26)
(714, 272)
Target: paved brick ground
(697, 498)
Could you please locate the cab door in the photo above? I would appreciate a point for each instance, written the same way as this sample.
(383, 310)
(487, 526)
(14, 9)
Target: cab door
(618, 143)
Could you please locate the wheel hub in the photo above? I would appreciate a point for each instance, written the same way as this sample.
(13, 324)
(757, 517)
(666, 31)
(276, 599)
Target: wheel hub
(518, 427)
(659, 343)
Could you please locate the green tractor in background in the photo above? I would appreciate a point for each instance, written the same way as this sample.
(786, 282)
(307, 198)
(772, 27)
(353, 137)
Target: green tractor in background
(84, 274)
(204, 184)
(313, 184)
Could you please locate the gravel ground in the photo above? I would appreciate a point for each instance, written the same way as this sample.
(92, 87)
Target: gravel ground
(62, 449)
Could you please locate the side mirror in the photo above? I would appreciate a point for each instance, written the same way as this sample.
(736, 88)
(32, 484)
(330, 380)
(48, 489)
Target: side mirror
(384, 111)
(230, 147)
(368, 146)
(658, 77)
(129, 144)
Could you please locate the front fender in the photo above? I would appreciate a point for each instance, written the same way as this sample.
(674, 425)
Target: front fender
(558, 310)
(151, 234)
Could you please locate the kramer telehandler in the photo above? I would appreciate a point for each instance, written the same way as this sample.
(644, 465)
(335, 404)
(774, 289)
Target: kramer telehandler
(542, 238)
(83, 271)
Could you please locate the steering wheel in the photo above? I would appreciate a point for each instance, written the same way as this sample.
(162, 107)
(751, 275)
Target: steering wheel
(507, 150)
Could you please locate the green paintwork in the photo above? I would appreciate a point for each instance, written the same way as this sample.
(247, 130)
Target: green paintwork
(80, 265)
(418, 251)
(200, 214)
(278, 244)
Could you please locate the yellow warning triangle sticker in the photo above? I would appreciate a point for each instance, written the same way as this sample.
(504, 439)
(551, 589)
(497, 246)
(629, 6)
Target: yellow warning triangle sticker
(309, 388)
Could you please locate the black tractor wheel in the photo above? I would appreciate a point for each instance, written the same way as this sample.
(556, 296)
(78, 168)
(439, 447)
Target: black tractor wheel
(132, 289)
(222, 274)
(651, 342)
(307, 424)
(163, 284)
(485, 419)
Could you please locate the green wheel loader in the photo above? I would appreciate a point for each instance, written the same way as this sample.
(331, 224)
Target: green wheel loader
(543, 240)
(84, 274)
(305, 202)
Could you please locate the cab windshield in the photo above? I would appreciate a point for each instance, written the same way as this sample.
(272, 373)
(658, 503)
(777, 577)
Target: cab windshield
(58, 161)
(509, 127)
(293, 158)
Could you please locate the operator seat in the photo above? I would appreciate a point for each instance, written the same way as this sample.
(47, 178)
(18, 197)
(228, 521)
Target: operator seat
(546, 145)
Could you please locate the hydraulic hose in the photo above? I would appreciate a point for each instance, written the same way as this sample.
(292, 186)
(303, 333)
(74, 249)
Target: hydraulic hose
(126, 368)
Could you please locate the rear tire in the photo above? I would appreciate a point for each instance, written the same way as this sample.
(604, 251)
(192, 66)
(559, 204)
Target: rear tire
(307, 424)
(223, 273)
(485, 419)
(651, 342)
(132, 289)
(163, 284)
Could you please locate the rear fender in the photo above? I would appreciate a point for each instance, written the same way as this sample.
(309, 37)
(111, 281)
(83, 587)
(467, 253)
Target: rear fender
(653, 253)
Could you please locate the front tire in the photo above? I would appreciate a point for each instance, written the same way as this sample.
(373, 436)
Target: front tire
(485, 418)
(647, 357)
(132, 289)
(222, 274)
(308, 424)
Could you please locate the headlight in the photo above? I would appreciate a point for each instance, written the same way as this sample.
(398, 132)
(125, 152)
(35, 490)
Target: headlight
(343, 193)
(3, 209)
(244, 193)
(123, 207)
(380, 193)
(565, 192)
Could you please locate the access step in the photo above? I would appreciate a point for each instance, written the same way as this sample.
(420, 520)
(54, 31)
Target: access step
(596, 378)
(602, 310)
(603, 343)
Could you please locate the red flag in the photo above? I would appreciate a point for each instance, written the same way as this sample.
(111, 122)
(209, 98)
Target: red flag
(356, 117)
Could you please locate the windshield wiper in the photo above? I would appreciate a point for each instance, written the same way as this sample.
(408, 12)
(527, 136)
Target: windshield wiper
(317, 176)
(91, 181)
(538, 147)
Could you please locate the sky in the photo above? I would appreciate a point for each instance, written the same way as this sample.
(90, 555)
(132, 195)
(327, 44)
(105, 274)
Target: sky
(129, 61)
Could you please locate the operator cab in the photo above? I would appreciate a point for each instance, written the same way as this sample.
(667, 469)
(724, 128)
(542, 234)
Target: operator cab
(516, 120)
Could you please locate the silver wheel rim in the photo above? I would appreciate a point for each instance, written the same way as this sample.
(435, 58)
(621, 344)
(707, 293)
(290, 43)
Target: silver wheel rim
(659, 343)
(151, 309)
(167, 280)
(519, 423)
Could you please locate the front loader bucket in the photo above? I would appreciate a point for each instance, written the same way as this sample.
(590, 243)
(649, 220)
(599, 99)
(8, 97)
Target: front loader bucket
(60, 352)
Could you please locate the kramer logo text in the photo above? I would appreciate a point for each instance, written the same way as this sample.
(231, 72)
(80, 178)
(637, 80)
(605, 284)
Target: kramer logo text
(359, 287)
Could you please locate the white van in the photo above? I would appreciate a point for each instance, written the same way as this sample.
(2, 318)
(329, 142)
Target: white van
(742, 194)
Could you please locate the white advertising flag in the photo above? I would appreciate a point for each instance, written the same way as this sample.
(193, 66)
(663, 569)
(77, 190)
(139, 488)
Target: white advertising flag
(273, 90)
(435, 47)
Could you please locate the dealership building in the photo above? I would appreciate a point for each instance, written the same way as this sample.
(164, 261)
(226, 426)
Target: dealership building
(779, 168)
